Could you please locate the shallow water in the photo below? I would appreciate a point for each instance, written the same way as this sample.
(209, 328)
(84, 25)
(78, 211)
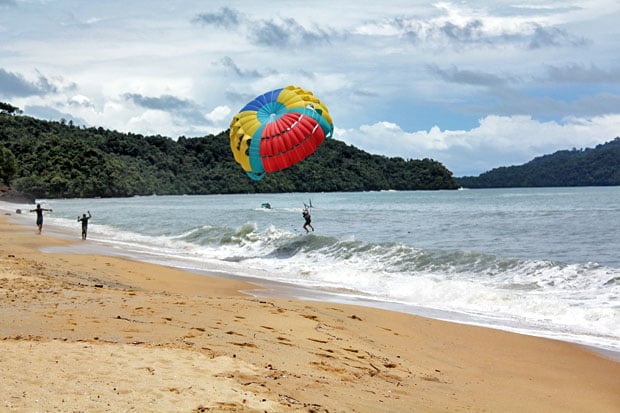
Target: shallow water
(541, 261)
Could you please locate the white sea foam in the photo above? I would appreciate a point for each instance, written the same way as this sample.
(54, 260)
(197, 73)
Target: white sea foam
(471, 257)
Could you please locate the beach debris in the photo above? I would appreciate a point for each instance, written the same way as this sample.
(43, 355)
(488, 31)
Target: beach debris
(118, 317)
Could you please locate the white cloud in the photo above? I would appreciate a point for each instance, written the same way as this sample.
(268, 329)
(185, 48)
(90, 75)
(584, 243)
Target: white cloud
(151, 122)
(219, 114)
(496, 141)
(80, 100)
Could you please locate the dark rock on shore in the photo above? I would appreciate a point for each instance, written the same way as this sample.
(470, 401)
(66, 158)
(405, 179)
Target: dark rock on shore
(10, 195)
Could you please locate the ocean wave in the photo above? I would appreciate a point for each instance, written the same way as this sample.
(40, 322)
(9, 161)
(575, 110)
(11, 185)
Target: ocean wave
(567, 298)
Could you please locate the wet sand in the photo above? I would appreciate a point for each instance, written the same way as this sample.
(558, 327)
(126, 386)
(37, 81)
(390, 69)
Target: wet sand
(97, 333)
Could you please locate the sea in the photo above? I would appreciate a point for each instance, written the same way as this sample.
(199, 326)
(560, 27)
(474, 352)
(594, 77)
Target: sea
(537, 261)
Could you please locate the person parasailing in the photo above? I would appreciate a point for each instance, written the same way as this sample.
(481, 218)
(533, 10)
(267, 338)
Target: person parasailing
(308, 218)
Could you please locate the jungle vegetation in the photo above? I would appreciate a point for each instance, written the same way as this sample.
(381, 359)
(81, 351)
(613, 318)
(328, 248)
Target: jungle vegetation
(50, 159)
(599, 166)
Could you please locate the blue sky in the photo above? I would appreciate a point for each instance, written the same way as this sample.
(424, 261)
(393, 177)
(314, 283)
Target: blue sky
(472, 84)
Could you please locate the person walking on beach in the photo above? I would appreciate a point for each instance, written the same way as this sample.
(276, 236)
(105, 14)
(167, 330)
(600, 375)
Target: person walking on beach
(84, 219)
(306, 215)
(39, 212)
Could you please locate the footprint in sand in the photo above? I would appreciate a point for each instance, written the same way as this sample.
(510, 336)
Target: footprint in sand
(318, 341)
(244, 344)
(285, 341)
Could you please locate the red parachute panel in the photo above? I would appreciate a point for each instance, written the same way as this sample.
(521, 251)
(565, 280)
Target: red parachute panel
(289, 140)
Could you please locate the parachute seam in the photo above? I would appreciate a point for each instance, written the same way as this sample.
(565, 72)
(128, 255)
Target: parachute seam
(308, 136)
(288, 129)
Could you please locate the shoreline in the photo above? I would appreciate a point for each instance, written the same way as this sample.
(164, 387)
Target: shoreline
(107, 333)
(276, 289)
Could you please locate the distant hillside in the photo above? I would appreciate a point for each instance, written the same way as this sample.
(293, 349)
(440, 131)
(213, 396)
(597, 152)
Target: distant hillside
(54, 159)
(599, 166)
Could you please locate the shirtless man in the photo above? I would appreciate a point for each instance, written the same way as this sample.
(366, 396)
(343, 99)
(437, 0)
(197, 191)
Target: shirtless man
(84, 220)
(39, 212)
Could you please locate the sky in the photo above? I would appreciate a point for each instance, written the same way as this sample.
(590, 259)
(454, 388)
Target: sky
(474, 85)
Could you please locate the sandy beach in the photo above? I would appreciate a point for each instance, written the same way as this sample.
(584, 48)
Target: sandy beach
(92, 333)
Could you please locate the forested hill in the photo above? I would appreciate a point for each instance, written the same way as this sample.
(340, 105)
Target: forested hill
(54, 159)
(599, 166)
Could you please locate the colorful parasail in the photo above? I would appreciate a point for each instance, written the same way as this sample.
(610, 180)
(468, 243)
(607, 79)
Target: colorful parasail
(278, 129)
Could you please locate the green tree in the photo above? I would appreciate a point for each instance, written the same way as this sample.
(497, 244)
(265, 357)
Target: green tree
(5, 108)
(8, 165)
(597, 166)
(56, 160)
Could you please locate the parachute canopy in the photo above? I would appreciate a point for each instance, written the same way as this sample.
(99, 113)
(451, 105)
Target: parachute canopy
(278, 129)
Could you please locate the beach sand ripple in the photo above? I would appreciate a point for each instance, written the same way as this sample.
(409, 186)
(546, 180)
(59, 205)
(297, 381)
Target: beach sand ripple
(97, 333)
